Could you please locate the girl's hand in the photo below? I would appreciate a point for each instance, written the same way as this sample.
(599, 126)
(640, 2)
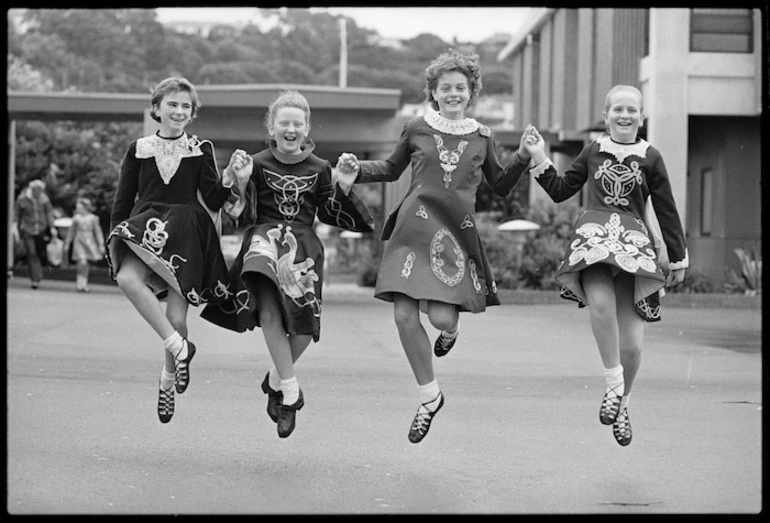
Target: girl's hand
(347, 164)
(241, 164)
(534, 144)
(675, 277)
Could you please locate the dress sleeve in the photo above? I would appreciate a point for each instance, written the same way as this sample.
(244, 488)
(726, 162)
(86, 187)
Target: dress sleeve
(338, 209)
(561, 188)
(502, 180)
(668, 217)
(390, 169)
(212, 191)
(125, 195)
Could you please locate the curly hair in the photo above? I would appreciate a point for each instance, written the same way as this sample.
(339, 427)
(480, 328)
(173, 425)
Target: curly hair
(453, 61)
(174, 84)
(288, 98)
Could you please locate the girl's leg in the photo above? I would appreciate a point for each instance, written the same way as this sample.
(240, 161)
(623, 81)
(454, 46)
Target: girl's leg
(81, 274)
(444, 316)
(414, 339)
(599, 286)
(631, 329)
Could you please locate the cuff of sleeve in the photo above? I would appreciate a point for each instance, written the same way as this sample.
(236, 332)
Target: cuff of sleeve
(537, 170)
(683, 264)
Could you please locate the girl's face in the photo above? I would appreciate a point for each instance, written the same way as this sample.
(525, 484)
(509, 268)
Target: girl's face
(624, 116)
(289, 129)
(79, 208)
(452, 95)
(175, 112)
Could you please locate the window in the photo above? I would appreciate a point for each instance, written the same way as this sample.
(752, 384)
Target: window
(706, 201)
(721, 31)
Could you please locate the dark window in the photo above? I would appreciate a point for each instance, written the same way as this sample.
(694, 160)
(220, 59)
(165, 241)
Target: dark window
(721, 31)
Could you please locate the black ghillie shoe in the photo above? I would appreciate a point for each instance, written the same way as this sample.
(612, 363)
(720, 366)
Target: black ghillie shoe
(444, 344)
(274, 399)
(182, 368)
(422, 420)
(621, 429)
(287, 416)
(610, 407)
(165, 404)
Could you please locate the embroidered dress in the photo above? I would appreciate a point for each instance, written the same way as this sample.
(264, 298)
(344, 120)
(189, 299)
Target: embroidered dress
(157, 214)
(283, 197)
(433, 250)
(612, 229)
(87, 236)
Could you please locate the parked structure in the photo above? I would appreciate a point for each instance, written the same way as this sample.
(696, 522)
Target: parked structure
(701, 74)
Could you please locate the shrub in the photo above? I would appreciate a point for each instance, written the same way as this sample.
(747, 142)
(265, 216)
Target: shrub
(750, 280)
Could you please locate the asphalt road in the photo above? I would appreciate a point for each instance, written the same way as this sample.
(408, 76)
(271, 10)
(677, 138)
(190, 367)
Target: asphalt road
(519, 433)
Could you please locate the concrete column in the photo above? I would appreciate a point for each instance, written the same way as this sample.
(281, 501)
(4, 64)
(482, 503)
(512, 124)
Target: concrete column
(11, 188)
(665, 88)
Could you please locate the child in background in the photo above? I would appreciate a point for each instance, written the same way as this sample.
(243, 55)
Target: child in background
(278, 275)
(434, 261)
(163, 244)
(84, 242)
(611, 264)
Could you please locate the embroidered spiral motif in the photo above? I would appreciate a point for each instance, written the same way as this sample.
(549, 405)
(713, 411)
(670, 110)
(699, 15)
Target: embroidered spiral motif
(467, 223)
(630, 249)
(122, 228)
(407, 270)
(449, 159)
(618, 181)
(155, 235)
(474, 275)
(437, 263)
(421, 212)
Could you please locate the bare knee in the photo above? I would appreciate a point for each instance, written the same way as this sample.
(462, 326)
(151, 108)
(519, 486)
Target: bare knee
(443, 320)
(406, 319)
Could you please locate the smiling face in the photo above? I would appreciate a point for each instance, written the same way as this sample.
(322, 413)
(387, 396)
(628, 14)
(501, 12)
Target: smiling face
(289, 129)
(452, 95)
(175, 112)
(623, 116)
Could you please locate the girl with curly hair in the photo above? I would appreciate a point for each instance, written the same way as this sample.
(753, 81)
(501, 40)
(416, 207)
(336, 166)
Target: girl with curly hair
(434, 261)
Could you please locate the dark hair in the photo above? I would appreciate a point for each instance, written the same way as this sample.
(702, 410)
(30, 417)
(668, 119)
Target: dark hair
(453, 61)
(170, 85)
(288, 98)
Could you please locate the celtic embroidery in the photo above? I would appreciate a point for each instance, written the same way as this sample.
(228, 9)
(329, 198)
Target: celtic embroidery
(122, 228)
(602, 241)
(474, 275)
(467, 223)
(155, 235)
(437, 262)
(449, 159)
(421, 212)
(407, 270)
(168, 154)
(289, 191)
(618, 181)
(334, 209)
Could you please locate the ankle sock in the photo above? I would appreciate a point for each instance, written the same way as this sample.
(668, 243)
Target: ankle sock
(614, 378)
(290, 389)
(429, 394)
(167, 379)
(274, 380)
(451, 335)
(176, 346)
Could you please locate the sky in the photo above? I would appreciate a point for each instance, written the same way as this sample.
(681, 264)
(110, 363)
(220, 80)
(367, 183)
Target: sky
(467, 24)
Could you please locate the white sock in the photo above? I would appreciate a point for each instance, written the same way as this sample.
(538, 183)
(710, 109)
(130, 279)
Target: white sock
(451, 335)
(167, 379)
(274, 380)
(429, 394)
(624, 402)
(614, 377)
(176, 346)
(290, 389)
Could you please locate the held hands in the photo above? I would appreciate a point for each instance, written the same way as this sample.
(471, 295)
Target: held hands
(675, 277)
(534, 144)
(241, 164)
(346, 171)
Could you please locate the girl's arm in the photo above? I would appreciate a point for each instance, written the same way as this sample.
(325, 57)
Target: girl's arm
(341, 209)
(503, 180)
(212, 190)
(125, 194)
(241, 167)
(665, 209)
(390, 169)
(559, 188)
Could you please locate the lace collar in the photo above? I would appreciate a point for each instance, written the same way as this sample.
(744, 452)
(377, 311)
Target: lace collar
(456, 127)
(306, 150)
(168, 152)
(622, 150)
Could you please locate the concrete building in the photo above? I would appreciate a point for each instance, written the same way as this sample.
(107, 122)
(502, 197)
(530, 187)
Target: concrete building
(701, 73)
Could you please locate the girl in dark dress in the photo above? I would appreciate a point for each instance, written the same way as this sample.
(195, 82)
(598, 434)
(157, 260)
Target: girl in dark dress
(434, 260)
(278, 275)
(611, 264)
(163, 244)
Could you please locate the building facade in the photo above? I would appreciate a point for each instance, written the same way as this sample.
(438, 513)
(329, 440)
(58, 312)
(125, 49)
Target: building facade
(701, 74)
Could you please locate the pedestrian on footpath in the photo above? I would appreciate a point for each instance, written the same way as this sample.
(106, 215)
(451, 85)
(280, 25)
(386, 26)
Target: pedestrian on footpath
(84, 242)
(434, 260)
(163, 244)
(277, 277)
(33, 225)
(612, 264)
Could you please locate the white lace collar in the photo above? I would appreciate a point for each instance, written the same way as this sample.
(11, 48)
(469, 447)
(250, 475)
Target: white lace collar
(456, 127)
(168, 152)
(622, 150)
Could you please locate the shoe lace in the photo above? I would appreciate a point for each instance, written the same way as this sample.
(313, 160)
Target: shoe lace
(611, 399)
(166, 400)
(422, 419)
